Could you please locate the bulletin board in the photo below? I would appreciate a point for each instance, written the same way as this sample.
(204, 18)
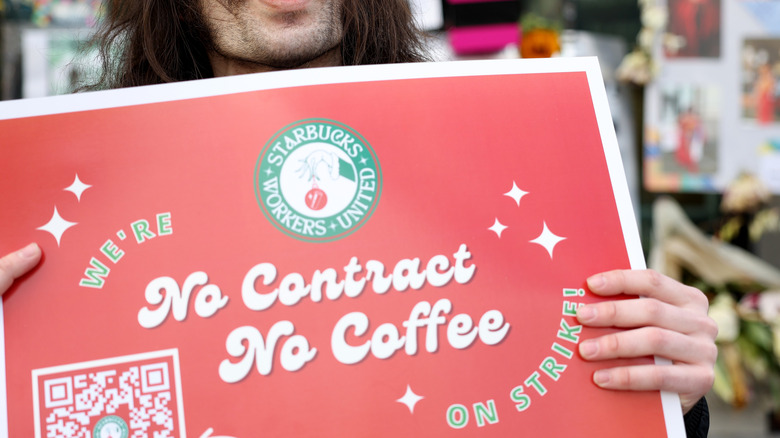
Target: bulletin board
(713, 111)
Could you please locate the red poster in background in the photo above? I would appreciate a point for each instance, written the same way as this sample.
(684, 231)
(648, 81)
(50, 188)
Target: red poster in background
(381, 251)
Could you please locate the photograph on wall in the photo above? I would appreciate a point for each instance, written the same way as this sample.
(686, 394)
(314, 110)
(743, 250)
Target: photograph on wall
(760, 68)
(695, 26)
(681, 150)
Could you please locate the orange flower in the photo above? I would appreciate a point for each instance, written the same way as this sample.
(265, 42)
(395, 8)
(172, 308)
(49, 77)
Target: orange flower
(539, 43)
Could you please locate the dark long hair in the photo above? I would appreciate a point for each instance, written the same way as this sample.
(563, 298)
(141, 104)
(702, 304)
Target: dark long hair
(144, 42)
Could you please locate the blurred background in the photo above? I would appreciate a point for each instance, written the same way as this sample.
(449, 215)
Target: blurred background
(693, 92)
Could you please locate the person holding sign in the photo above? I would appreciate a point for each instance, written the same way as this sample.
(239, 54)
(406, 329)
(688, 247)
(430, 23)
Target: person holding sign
(149, 42)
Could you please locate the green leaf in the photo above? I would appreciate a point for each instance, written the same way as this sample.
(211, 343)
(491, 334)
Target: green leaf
(759, 334)
(754, 358)
(723, 385)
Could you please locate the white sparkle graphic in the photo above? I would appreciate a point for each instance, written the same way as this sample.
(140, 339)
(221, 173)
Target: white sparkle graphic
(78, 187)
(548, 240)
(57, 226)
(516, 193)
(498, 228)
(410, 399)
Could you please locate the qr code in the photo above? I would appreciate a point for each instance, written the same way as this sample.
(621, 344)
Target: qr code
(126, 397)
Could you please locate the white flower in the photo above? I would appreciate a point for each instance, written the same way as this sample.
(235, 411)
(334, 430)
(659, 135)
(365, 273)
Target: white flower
(636, 67)
(654, 17)
(769, 305)
(646, 39)
(746, 193)
(673, 43)
(723, 311)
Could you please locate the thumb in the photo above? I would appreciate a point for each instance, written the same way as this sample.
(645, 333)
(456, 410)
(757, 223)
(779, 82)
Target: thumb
(17, 263)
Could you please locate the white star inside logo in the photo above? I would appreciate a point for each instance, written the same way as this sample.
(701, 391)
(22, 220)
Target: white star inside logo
(57, 226)
(410, 399)
(498, 228)
(516, 193)
(78, 187)
(548, 240)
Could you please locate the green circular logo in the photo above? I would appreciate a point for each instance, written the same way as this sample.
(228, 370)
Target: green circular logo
(110, 427)
(318, 180)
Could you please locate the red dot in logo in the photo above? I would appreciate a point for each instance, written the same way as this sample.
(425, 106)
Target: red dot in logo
(316, 199)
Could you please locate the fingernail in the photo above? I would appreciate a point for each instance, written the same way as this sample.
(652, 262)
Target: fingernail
(597, 282)
(589, 349)
(29, 251)
(601, 378)
(586, 314)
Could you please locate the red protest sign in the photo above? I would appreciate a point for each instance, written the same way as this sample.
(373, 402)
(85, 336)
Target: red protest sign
(383, 251)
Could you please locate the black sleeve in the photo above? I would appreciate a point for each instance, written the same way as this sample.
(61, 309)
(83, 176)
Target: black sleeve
(697, 420)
